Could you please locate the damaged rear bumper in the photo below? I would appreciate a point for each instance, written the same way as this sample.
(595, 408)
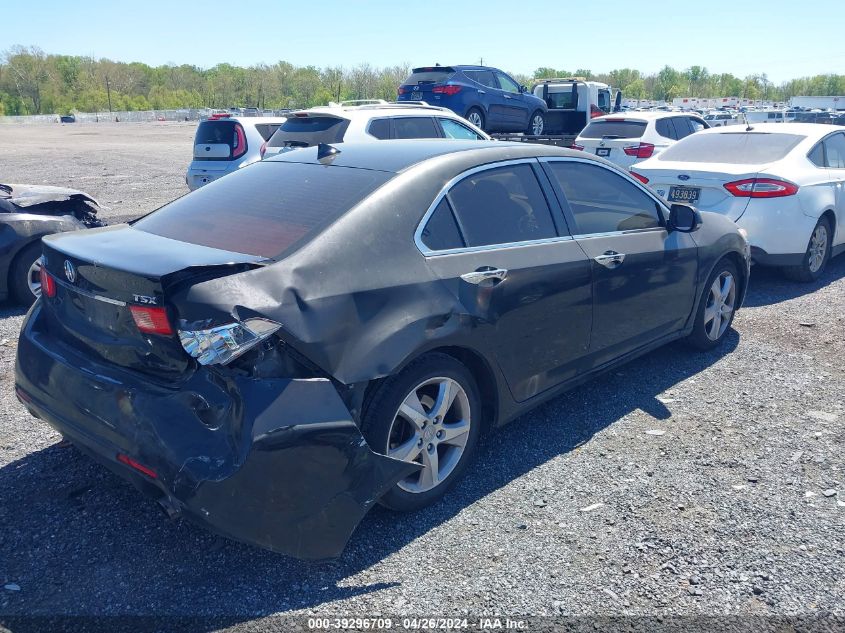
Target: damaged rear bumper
(277, 463)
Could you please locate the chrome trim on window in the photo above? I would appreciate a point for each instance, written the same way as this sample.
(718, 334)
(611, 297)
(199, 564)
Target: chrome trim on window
(90, 295)
(426, 251)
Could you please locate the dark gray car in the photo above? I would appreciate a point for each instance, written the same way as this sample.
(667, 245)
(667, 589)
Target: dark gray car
(27, 213)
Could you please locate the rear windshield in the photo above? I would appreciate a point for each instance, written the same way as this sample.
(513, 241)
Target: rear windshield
(429, 75)
(215, 133)
(307, 131)
(614, 129)
(268, 209)
(560, 100)
(738, 148)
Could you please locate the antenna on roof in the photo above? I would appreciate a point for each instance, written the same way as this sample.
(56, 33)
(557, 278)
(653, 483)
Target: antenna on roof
(324, 150)
(748, 127)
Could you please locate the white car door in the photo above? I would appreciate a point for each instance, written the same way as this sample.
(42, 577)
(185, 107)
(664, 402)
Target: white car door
(834, 146)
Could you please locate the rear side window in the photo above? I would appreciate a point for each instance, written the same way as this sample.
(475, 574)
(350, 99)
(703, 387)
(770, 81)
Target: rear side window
(834, 149)
(380, 128)
(665, 128)
(614, 129)
(682, 126)
(266, 129)
(484, 77)
(453, 129)
(307, 131)
(429, 75)
(737, 148)
(816, 155)
(501, 205)
(441, 231)
(267, 210)
(603, 201)
(415, 127)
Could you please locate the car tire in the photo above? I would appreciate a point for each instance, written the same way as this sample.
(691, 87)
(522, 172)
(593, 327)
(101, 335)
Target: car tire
(815, 257)
(476, 117)
(536, 124)
(24, 282)
(717, 307)
(402, 420)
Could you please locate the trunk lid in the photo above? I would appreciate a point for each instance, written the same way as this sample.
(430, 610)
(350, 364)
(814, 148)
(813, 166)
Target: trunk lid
(712, 194)
(102, 273)
(420, 85)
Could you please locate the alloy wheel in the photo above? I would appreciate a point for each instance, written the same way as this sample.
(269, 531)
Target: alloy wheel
(721, 302)
(474, 117)
(818, 248)
(431, 427)
(537, 124)
(33, 278)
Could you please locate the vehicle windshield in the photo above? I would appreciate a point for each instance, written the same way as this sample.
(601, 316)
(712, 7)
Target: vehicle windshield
(614, 129)
(269, 209)
(738, 148)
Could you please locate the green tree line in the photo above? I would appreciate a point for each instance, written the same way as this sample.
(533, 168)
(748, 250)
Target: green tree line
(34, 82)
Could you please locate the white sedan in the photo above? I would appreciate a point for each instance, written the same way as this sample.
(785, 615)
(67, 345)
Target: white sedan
(784, 184)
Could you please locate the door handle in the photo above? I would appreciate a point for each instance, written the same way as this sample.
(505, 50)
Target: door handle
(507, 96)
(482, 92)
(477, 276)
(610, 259)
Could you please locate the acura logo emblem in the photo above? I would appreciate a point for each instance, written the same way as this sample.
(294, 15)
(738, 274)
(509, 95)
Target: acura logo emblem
(70, 271)
(683, 177)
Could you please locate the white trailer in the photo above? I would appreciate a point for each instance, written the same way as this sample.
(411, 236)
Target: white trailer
(820, 103)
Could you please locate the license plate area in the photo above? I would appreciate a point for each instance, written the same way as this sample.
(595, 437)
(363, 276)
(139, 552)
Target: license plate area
(416, 95)
(684, 194)
(603, 151)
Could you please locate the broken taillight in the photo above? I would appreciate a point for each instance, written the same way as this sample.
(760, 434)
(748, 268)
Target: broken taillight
(224, 343)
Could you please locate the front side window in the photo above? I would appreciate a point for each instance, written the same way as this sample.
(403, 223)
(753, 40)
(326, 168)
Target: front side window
(453, 129)
(697, 125)
(603, 201)
(501, 205)
(507, 84)
(834, 149)
(415, 127)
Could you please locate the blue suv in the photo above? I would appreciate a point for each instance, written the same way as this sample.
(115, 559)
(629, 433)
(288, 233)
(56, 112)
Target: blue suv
(486, 97)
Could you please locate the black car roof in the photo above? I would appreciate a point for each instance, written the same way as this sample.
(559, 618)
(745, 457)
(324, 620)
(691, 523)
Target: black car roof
(398, 155)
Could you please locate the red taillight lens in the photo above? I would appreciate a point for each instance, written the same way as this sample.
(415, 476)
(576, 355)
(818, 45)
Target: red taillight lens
(151, 320)
(576, 146)
(595, 111)
(448, 89)
(639, 177)
(761, 188)
(48, 284)
(262, 149)
(643, 150)
(239, 147)
(125, 459)
(401, 90)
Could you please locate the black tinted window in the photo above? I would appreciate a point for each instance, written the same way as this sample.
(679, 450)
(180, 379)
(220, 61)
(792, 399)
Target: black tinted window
(665, 128)
(500, 206)
(268, 210)
(682, 126)
(415, 127)
(429, 75)
(266, 129)
(834, 149)
(816, 155)
(306, 131)
(215, 132)
(484, 77)
(441, 232)
(738, 148)
(380, 128)
(603, 201)
(614, 129)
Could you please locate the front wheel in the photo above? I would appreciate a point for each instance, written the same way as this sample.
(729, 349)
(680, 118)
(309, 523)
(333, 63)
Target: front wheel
(716, 308)
(25, 280)
(537, 123)
(427, 414)
(476, 117)
(816, 255)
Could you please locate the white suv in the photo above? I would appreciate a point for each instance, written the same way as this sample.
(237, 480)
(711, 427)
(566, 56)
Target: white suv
(368, 121)
(625, 139)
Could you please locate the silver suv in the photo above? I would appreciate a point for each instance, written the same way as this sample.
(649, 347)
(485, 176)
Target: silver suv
(369, 121)
(225, 143)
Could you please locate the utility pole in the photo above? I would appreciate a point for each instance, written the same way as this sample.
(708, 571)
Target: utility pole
(108, 92)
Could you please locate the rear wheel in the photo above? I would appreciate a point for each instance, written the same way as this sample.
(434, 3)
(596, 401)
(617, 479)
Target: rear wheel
(25, 278)
(716, 308)
(537, 123)
(816, 255)
(476, 117)
(428, 414)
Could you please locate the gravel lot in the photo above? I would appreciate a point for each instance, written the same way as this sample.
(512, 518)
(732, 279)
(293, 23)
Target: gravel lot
(682, 484)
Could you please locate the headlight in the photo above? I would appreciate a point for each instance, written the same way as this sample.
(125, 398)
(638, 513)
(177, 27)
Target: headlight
(219, 345)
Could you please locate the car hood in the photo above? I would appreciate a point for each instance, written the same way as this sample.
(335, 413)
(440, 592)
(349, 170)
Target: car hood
(25, 196)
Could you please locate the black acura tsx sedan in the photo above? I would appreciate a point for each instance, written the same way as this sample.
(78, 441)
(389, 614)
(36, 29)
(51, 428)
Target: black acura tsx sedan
(276, 352)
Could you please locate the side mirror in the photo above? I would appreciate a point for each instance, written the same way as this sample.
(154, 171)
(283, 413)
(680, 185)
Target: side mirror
(523, 89)
(683, 218)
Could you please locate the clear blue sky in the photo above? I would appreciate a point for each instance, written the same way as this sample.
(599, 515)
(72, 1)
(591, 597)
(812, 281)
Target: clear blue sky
(783, 39)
